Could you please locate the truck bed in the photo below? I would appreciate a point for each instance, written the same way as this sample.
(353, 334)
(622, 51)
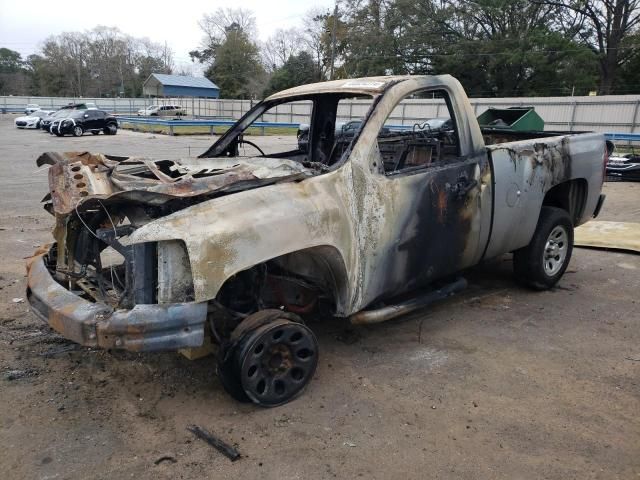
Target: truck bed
(526, 167)
(496, 135)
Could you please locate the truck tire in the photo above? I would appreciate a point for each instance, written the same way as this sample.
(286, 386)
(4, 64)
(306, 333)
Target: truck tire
(541, 264)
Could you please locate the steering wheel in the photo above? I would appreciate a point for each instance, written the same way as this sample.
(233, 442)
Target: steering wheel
(241, 140)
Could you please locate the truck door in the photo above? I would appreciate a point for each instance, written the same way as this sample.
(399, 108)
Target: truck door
(434, 192)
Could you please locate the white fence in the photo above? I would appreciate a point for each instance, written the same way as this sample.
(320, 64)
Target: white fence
(612, 113)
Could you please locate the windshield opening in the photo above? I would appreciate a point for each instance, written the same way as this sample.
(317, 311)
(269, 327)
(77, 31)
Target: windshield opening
(315, 128)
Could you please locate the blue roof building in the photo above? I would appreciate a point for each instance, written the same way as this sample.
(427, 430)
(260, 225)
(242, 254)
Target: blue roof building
(162, 85)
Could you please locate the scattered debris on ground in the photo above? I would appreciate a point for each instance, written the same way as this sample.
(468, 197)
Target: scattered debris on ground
(18, 374)
(224, 448)
(165, 458)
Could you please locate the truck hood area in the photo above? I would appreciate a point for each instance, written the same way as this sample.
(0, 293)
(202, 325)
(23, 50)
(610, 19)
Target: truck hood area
(79, 180)
(99, 201)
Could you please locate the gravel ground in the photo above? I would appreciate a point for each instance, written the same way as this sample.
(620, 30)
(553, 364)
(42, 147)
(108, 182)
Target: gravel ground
(498, 382)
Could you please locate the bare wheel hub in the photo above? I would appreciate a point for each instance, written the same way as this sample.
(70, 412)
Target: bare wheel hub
(276, 361)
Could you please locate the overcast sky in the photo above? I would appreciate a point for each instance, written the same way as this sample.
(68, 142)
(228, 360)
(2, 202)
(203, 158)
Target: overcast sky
(25, 24)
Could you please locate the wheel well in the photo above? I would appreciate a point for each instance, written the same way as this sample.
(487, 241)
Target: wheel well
(571, 196)
(322, 266)
(318, 269)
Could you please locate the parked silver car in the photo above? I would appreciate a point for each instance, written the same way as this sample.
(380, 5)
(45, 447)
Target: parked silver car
(162, 111)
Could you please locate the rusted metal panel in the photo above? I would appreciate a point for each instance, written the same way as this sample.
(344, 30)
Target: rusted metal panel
(76, 178)
(142, 328)
(229, 234)
(175, 282)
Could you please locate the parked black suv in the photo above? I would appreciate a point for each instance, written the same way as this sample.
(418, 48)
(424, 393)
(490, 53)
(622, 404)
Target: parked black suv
(79, 121)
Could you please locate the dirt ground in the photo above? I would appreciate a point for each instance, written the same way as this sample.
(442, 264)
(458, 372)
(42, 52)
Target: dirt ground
(496, 383)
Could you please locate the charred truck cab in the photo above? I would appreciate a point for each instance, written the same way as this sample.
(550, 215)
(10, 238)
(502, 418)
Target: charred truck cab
(243, 242)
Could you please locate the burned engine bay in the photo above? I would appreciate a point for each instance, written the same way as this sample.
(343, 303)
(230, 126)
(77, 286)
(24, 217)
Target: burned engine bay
(99, 200)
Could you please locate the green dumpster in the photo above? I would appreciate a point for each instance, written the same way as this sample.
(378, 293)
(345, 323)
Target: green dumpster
(521, 119)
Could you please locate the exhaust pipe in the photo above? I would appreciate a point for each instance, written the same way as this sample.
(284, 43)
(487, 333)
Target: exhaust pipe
(367, 317)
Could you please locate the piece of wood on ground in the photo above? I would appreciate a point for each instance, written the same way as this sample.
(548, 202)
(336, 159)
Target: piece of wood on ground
(195, 353)
(616, 235)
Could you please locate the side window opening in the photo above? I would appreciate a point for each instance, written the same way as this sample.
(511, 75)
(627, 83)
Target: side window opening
(420, 133)
(336, 121)
(350, 115)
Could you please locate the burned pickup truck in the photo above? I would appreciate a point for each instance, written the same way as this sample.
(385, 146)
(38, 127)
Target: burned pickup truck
(243, 242)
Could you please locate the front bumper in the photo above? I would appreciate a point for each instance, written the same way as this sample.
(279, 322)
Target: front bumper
(143, 328)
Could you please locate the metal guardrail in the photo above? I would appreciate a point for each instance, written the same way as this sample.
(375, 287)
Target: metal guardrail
(629, 137)
(625, 137)
(171, 124)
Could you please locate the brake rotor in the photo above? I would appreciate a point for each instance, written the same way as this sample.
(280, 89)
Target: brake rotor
(276, 361)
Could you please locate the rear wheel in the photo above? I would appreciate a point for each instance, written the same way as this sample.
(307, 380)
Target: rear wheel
(111, 129)
(77, 131)
(542, 263)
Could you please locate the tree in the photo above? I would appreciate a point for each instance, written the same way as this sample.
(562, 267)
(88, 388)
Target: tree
(603, 26)
(297, 70)
(372, 39)
(495, 47)
(215, 27)
(13, 74)
(507, 48)
(280, 46)
(628, 80)
(233, 57)
(313, 39)
(99, 62)
(10, 61)
(236, 68)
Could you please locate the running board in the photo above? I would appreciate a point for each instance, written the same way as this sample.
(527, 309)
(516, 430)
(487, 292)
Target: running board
(366, 317)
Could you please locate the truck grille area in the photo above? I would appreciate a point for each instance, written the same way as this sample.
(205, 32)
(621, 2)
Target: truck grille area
(101, 267)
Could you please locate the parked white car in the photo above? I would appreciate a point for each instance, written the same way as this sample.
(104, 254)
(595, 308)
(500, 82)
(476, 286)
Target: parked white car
(30, 108)
(162, 111)
(33, 119)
